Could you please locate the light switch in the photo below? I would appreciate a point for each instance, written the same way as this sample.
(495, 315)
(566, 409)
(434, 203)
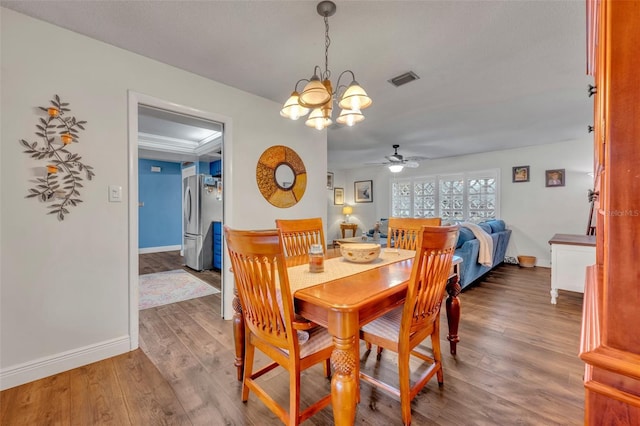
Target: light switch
(115, 193)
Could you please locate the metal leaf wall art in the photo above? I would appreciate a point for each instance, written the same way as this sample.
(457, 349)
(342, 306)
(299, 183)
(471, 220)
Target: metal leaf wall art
(63, 179)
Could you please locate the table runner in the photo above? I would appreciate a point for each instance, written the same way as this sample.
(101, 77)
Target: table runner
(337, 267)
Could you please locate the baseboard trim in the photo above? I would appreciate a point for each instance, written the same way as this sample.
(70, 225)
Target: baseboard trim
(159, 249)
(64, 361)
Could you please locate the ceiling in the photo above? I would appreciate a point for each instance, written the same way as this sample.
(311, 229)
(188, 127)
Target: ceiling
(169, 136)
(493, 75)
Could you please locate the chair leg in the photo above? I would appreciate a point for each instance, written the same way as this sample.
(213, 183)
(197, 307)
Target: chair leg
(405, 386)
(249, 352)
(294, 397)
(327, 367)
(437, 355)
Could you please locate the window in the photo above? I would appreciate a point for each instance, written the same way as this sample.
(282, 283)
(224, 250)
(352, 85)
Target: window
(455, 197)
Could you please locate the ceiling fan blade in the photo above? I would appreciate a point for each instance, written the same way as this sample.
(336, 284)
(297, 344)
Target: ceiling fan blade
(411, 164)
(377, 164)
(417, 158)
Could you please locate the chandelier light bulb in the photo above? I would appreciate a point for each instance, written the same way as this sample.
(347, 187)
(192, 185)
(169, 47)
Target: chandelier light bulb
(355, 98)
(350, 117)
(292, 109)
(318, 119)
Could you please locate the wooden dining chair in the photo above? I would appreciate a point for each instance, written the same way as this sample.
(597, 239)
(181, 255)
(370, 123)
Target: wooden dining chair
(403, 232)
(404, 328)
(299, 234)
(259, 267)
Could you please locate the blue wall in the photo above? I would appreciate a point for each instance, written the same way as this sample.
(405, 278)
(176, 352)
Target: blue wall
(160, 220)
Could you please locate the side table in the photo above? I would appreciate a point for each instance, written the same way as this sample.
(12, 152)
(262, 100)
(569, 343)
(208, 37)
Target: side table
(351, 226)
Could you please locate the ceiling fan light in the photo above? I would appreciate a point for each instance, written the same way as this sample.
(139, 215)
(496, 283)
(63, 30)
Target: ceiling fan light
(318, 119)
(350, 117)
(355, 98)
(292, 108)
(396, 168)
(314, 94)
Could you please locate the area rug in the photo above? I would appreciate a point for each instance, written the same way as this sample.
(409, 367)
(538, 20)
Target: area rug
(162, 288)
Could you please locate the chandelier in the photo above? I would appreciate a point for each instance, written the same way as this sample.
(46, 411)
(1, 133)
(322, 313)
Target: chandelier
(318, 95)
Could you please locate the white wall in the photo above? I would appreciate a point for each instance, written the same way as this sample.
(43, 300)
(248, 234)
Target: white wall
(64, 285)
(533, 212)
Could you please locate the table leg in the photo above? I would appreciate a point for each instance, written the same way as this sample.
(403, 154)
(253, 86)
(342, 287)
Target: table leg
(238, 334)
(344, 359)
(453, 312)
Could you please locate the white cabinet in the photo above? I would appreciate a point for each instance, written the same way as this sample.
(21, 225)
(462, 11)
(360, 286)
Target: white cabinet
(570, 256)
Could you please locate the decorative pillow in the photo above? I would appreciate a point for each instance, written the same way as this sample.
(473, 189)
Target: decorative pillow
(486, 227)
(497, 225)
(384, 227)
(464, 236)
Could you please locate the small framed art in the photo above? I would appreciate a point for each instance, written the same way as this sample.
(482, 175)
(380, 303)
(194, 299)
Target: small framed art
(554, 177)
(329, 180)
(363, 191)
(520, 174)
(338, 196)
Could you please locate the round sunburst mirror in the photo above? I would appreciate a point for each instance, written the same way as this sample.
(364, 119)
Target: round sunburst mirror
(281, 176)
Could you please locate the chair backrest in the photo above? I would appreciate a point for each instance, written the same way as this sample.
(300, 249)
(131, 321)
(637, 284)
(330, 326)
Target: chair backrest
(260, 272)
(403, 231)
(299, 234)
(429, 275)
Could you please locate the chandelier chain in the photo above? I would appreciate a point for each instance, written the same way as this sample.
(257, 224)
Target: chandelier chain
(327, 42)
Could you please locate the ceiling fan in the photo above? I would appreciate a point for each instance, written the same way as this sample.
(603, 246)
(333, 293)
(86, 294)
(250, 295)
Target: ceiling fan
(396, 162)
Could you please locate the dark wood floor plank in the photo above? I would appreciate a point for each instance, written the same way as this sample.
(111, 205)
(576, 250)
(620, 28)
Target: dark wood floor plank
(171, 260)
(45, 402)
(149, 398)
(96, 396)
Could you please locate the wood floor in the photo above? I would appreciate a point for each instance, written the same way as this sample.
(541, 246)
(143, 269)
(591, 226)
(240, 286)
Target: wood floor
(517, 364)
(171, 260)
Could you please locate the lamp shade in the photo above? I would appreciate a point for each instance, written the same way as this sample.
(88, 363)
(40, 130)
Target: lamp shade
(346, 210)
(292, 109)
(315, 94)
(355, 98)
(350, 117)
(318, 119)
(395, 168)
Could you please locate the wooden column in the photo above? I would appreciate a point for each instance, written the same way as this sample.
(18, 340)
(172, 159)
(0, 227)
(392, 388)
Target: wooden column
(610, 344)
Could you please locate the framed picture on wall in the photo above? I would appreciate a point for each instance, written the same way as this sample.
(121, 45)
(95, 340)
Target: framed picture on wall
(554, 177)
(363, 191)
(338, 196)
(329, 180)
(520, 174)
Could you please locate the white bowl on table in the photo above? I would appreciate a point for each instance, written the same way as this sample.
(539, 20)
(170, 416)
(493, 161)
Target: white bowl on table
(360, 252)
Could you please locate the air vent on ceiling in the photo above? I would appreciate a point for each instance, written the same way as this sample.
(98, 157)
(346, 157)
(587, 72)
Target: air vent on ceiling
(405, 78)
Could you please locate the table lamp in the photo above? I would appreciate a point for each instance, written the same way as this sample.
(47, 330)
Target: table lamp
(347, 210)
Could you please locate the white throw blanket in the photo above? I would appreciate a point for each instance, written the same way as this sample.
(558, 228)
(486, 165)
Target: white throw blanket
(485, 256)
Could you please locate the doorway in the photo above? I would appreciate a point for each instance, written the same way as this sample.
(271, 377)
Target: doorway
(168, 148)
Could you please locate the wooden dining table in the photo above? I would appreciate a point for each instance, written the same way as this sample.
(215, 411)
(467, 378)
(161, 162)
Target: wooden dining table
(343, 306)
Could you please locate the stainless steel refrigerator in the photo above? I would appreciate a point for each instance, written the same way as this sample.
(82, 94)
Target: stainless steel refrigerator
(201, 207)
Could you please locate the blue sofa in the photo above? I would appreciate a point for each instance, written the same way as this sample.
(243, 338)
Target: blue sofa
(468, 248)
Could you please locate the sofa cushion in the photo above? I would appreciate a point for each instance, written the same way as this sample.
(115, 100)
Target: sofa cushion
(384, 227)
(497, 225)
(486, 227)
(464, 236)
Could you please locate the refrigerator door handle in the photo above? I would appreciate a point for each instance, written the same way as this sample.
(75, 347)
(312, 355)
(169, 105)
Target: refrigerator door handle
(187, 205)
